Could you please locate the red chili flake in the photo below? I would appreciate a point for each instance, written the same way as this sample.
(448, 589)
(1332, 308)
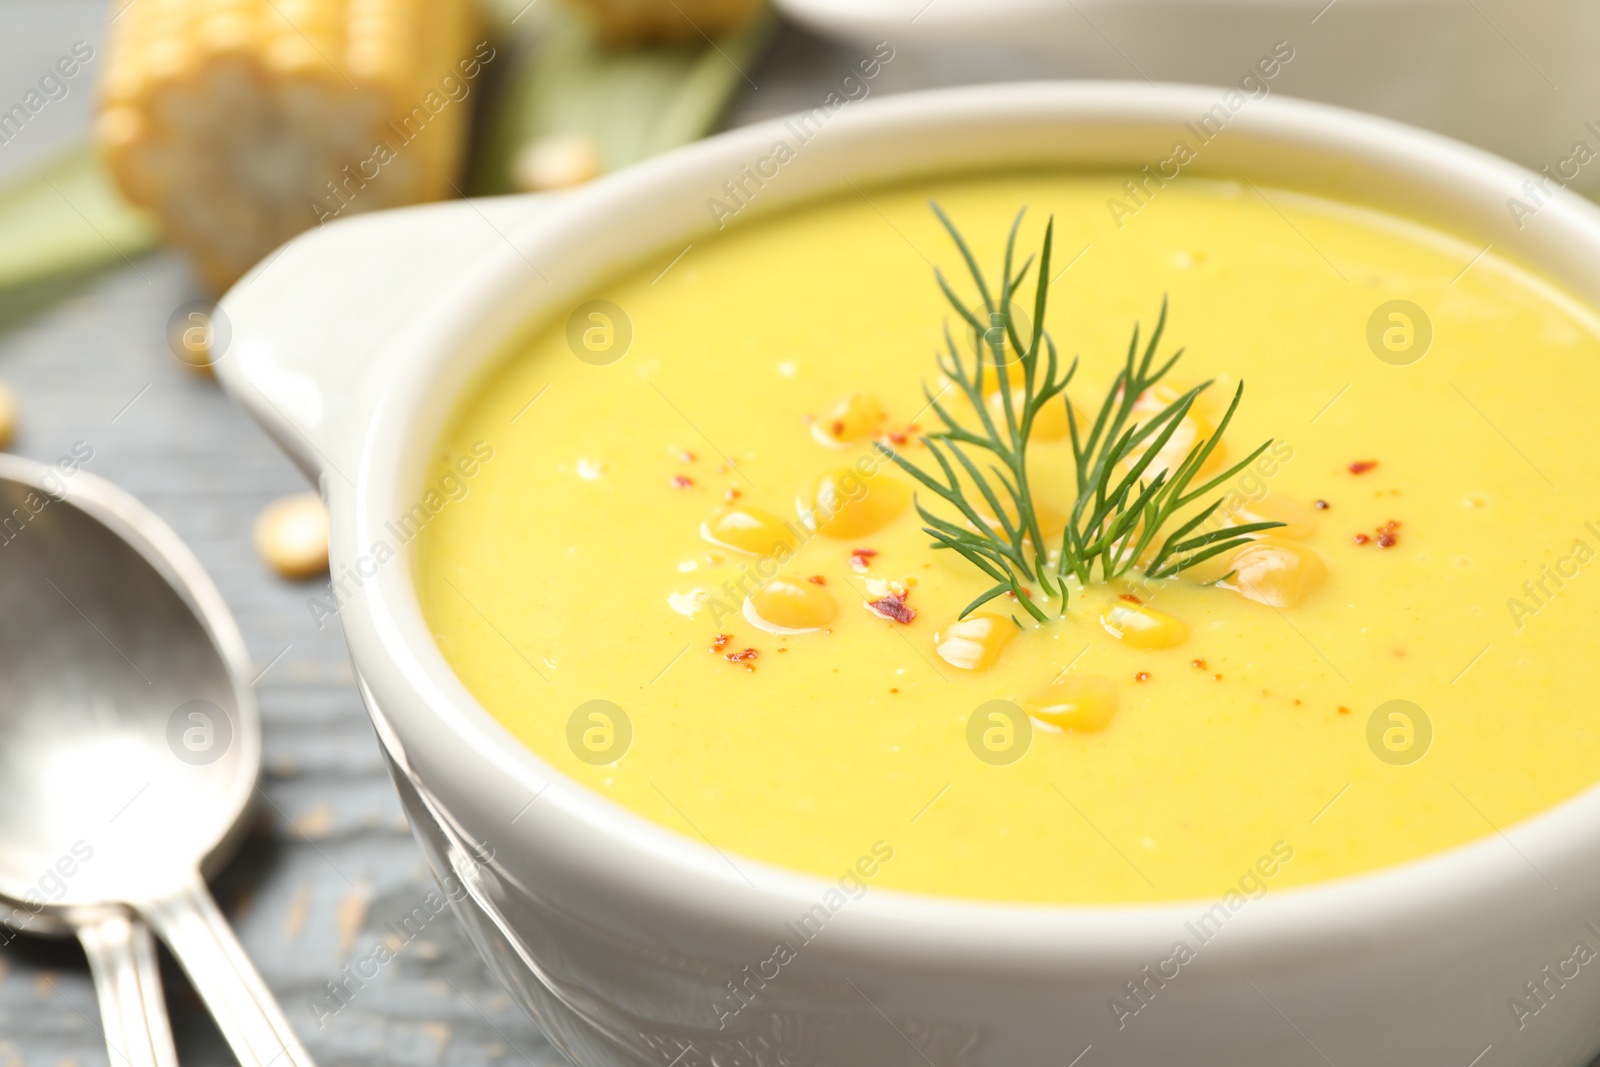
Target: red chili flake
(731, 495)
(860, 558)
(1361, 539)
(1362, 466)
(1343, 710)
(1130, 598)
(746, 657)
(898, 437)
(1297, 702)
(837, 429)
(682, 481)
(1142, 676)
(721, 642)
(1026, 592)
(686, 456)
(1198, 664)
(1321, 505)
(892, 607)
(1389, 534)
(817, 579)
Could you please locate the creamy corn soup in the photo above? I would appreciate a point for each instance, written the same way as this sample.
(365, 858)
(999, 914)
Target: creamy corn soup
(680, 568)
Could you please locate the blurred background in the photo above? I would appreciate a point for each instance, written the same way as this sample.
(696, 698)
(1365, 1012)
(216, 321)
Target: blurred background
(154, 151)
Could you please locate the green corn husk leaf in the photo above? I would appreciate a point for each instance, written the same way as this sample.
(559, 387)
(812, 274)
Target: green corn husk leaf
(60, 222)
(63, 217)
(634, 102)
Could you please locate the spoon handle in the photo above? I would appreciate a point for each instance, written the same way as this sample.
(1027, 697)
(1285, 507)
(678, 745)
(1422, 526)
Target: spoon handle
(189, 921)
(122, 958)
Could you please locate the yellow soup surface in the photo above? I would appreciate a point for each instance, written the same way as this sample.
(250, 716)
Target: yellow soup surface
(579, 567)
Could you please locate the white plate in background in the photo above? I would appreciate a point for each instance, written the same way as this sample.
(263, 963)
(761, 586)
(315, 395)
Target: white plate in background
(1517, 77)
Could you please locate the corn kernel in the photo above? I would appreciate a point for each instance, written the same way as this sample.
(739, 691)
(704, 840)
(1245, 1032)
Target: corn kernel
(751, 530)
(1050, 424)
(558, 161)
(1277, 574)
(1298, 520)
(1051, 519)
(975, 642)
(1155, 398)
(1012, 371)
(292, 536)
(858, 417)
(1084, 702)
(847, 504)
(624, 26)
(8, 415)
(1142, 627)
(1192, 429)
(790, 605)
(955, 401)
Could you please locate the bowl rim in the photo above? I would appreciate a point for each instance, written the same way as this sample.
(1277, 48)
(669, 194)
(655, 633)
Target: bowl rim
(452, 745)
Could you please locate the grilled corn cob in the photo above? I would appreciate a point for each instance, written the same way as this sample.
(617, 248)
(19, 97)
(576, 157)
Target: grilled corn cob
(240, 123)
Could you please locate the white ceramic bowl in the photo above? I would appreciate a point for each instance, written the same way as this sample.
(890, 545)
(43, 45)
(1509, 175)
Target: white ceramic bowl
(350, 346)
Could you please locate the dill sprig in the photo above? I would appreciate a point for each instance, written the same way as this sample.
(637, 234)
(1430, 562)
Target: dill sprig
(1119, 512)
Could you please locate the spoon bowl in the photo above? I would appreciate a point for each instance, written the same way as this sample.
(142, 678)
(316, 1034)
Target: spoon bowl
(132, 746)
(108, 627)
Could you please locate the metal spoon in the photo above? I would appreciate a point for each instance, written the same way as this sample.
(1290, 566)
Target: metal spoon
(122, 958)
(130, 748)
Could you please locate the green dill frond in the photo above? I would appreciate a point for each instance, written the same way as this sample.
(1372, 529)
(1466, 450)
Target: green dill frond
(1118, 512)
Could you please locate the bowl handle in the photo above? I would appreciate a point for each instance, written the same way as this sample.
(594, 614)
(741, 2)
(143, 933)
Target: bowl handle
(299, 341)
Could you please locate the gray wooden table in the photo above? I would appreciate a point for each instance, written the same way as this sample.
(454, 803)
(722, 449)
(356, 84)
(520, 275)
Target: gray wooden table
(331, 860)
